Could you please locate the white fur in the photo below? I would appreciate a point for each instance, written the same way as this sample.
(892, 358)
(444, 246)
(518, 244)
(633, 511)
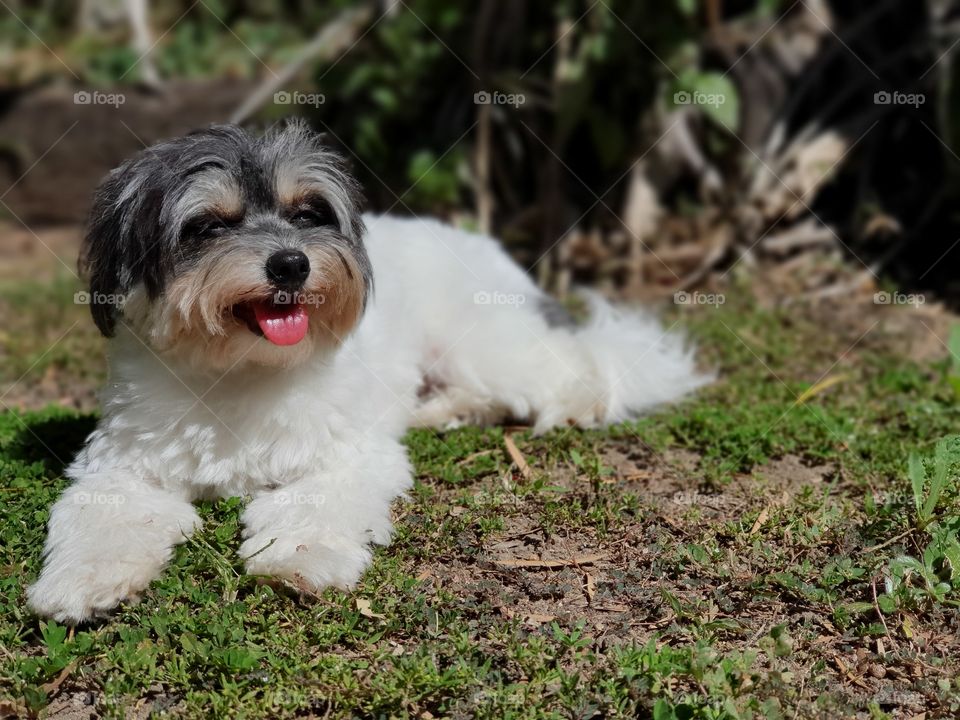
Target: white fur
(317, 446)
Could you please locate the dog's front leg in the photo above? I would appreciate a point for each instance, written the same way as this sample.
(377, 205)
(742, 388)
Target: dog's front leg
(317, 531)
(108, 537)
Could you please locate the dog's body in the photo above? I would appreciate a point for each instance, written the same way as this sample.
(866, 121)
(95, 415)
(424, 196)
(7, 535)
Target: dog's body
(215, 391)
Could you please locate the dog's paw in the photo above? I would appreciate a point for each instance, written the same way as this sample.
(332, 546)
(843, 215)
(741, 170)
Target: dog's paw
(311, 564)
(78, 594)
(105, 547)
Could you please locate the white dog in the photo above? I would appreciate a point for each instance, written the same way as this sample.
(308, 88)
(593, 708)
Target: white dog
(250, 356)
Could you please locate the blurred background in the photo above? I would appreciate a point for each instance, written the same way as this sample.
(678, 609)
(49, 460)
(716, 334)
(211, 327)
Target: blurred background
(805, 150)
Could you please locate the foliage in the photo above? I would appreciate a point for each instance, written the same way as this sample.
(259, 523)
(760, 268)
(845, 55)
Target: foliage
(428, 55)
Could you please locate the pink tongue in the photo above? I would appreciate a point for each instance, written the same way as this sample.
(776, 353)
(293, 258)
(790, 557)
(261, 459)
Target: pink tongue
(281, 324)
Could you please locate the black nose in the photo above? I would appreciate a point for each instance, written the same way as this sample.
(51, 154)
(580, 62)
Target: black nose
(288, 269)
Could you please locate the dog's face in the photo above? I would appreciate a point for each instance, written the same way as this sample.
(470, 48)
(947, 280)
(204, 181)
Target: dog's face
(229, 250)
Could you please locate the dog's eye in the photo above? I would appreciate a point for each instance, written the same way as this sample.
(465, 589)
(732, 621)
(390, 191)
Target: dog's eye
(317, 215)
(204, 228)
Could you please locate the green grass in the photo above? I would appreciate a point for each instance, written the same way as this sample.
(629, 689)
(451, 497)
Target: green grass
(48, 337)
(760, 556)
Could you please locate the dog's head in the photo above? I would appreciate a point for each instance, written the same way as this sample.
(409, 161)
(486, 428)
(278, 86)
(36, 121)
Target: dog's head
(225, 249)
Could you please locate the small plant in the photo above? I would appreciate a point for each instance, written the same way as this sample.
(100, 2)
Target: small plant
(593, 468)
(934, 576)
(931, 578)
(929, 479)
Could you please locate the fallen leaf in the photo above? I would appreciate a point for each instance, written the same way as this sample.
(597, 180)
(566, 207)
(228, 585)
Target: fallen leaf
(538, 619)
(761, 519)
(363, 605)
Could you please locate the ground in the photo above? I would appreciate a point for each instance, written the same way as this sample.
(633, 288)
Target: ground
(781, 545)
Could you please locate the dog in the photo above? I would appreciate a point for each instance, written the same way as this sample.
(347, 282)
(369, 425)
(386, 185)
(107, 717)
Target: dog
(268, 340)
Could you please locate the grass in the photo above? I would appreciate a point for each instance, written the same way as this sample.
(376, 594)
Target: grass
(783, 545)
(48, 337)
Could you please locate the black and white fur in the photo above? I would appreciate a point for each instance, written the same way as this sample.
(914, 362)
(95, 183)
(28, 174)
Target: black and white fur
(201, 404)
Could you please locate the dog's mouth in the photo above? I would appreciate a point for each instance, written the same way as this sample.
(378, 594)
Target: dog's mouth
(281, 324)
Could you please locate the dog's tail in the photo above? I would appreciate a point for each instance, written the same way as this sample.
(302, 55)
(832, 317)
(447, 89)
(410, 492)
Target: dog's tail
(622, 362)
(531, 364)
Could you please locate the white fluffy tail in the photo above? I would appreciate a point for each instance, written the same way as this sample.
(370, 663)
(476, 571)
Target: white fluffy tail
(513, 364)
(638, 363)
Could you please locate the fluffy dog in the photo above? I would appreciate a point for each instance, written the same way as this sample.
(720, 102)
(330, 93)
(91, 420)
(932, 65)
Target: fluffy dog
(250, 356)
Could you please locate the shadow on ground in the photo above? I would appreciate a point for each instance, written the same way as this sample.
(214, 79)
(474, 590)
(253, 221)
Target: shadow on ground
(53, 441)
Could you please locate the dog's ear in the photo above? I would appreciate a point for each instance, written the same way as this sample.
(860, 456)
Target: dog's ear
(123, 245)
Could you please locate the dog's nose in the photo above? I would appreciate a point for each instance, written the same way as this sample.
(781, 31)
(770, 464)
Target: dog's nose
(288, 269)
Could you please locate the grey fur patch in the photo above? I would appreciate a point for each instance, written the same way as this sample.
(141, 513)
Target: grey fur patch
(555, 313)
